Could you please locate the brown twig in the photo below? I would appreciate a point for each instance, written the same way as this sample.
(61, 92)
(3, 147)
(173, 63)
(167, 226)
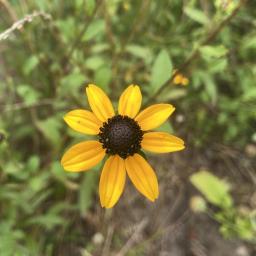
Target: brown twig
(20, 23)
(197, 248)
(135, 236)
(108, 241)
(23, 105)
(173, 228)
(193, 56)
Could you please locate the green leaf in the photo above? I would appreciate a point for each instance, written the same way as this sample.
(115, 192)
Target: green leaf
(48, 221)
(196, 15)
(71, 83)
(140, 52)
(103, 77)
(28, 93)
(161, 70)
(62, 176)
(173, 94)
(39, 182)
(218, 65)
(68, 29)
(99, 48)
(33, 164)
(249, 94)
(210, 86)
(42, 5)
(245, 228)
(50, 129)
(10, 239)
(12, 168)
(214, 189)
(213, 51)
(30, 64)
(79, 4)
(95, 28)
(89, 7)
(94, 62)
(249, 42)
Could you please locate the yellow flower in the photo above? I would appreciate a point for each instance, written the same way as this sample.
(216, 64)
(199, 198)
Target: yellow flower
(180, 79)
(121, 137)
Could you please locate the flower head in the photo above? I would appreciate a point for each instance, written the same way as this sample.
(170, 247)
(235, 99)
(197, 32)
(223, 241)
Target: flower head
(121, 137)
(179, 78)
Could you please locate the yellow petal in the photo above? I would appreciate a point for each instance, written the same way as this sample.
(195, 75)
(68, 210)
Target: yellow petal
(83, 156)
(99, 103)
(185, 81)
(83, 121)
(177, 79)
(142, 176)
(130, 101)
(154, 116)
(161, 142)
(112, 181)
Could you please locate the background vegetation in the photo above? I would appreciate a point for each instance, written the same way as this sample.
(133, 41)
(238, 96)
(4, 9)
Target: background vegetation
(57, 47)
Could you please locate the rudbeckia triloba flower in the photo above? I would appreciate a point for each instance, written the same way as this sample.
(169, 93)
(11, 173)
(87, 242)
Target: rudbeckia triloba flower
(180, 79)
(120, 137)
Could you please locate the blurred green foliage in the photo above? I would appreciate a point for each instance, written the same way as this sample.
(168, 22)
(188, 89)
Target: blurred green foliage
(235, 222)
(45, 64)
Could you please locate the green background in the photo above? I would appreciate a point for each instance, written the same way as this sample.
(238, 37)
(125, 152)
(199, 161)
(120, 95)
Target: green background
(45, 64)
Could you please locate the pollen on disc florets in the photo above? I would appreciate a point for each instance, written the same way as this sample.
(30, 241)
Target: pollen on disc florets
(121, 135)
